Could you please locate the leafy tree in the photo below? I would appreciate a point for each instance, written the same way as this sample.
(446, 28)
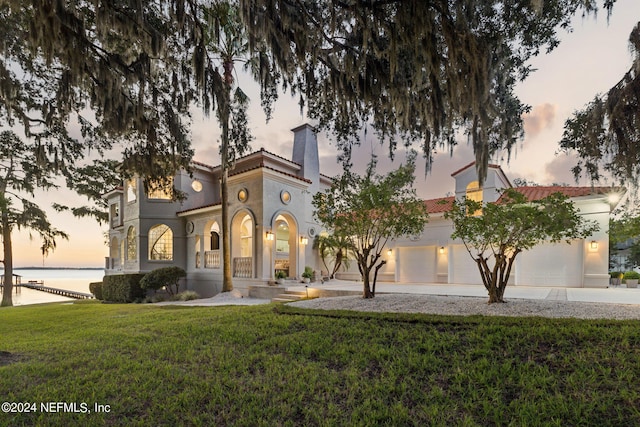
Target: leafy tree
(167, 277)
(418, 69)
(333, 249)
(606, 132)
(510, 226)
(624, 232)
(23, 168)
(92, 181)
(366, 211)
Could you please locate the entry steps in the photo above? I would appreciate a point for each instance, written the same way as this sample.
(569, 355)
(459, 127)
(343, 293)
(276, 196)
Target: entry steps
(289, 296)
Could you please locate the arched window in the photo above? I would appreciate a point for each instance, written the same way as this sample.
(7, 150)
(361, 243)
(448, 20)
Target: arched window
(214, 239)
(160, 243)
(474, 192)
(132, 247)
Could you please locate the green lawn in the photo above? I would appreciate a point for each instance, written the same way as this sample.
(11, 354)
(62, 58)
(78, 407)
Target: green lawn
(275, 365)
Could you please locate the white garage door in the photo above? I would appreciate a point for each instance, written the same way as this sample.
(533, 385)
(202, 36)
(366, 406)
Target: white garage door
(551, 265)
(464, 269)
(417, 264)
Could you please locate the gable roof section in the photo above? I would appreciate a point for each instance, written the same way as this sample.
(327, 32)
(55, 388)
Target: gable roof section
(444, 204)
(464, 168)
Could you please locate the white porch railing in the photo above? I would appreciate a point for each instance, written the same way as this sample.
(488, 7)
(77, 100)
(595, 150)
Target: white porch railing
(212, 259)
(243, 267)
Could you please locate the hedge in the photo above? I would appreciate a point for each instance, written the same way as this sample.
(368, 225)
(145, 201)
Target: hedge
(123, 288)
(96, 289)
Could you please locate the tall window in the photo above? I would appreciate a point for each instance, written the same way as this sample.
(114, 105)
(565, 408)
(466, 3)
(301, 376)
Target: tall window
(246, 237)
(161, 190)
(282, 236)
(214, 240)
(132, 194)
(160, 243)
(132, 247)
(474, 192)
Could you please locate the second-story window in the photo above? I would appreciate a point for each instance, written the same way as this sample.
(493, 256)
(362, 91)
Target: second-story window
(132, 194)
(161, 190)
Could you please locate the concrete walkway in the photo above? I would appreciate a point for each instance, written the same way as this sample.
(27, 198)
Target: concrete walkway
(617, 295)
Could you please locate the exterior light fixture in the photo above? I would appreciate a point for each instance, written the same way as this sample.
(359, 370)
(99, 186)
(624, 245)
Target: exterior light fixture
(269, 235)
(304, 240)
(389, 251)
(593, 245)
(441, 250)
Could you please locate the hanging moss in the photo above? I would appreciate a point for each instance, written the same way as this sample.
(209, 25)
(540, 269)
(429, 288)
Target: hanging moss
(416, 70)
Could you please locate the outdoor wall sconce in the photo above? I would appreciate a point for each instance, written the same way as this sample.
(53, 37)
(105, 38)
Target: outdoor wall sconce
(593, 245)
(269, 235)
(389, 252)
(304, 240)
(441, 250)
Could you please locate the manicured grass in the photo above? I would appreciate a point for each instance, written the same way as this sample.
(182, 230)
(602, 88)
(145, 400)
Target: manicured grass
(277, 365)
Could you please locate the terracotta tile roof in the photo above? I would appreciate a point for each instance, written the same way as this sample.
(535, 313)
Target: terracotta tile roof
(202, 164)
(539, 192)
(262, 165)
(531, 193)
(199, 207)
(435, 205)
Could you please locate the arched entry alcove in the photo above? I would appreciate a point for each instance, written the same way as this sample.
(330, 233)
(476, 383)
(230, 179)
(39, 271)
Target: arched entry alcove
(242, 244)
(285, 247)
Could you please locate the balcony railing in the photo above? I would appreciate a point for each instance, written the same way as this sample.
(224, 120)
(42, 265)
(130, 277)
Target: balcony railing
(212, 259)
(243, 267)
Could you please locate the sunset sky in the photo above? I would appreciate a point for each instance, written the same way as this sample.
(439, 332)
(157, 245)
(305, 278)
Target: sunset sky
(590, 60)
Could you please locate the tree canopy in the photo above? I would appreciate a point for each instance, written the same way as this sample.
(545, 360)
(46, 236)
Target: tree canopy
(606, 133)
(23, 169)
(120, 67)
(365, 212)
(510, 226)
(414, 69)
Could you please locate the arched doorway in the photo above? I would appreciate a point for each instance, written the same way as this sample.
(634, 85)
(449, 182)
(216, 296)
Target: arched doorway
(242, 245)
(286, 245)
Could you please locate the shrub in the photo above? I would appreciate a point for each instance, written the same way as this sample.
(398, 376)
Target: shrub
(167, 277)
(631, 275)
(96, 289)
(281, 275)
(616, 274)
(187, 296)
(122, 288)
(308, 272)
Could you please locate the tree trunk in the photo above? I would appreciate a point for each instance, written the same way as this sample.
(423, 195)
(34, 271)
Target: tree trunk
(227, 280)
(7, 299)
(492, 280)
(365, 279)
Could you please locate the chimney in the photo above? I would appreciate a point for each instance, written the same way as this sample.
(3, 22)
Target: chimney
(305, 152)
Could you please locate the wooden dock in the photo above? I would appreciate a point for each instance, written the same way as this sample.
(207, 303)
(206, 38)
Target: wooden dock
(39, 286)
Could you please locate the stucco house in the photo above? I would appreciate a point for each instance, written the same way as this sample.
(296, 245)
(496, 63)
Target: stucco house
(272, 228)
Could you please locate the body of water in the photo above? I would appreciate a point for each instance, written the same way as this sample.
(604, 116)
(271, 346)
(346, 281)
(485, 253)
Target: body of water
(69, 279)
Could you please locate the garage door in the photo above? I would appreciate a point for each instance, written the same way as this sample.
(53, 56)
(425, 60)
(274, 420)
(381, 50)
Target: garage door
(417, 264)
(464, 269)
(551, 265)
